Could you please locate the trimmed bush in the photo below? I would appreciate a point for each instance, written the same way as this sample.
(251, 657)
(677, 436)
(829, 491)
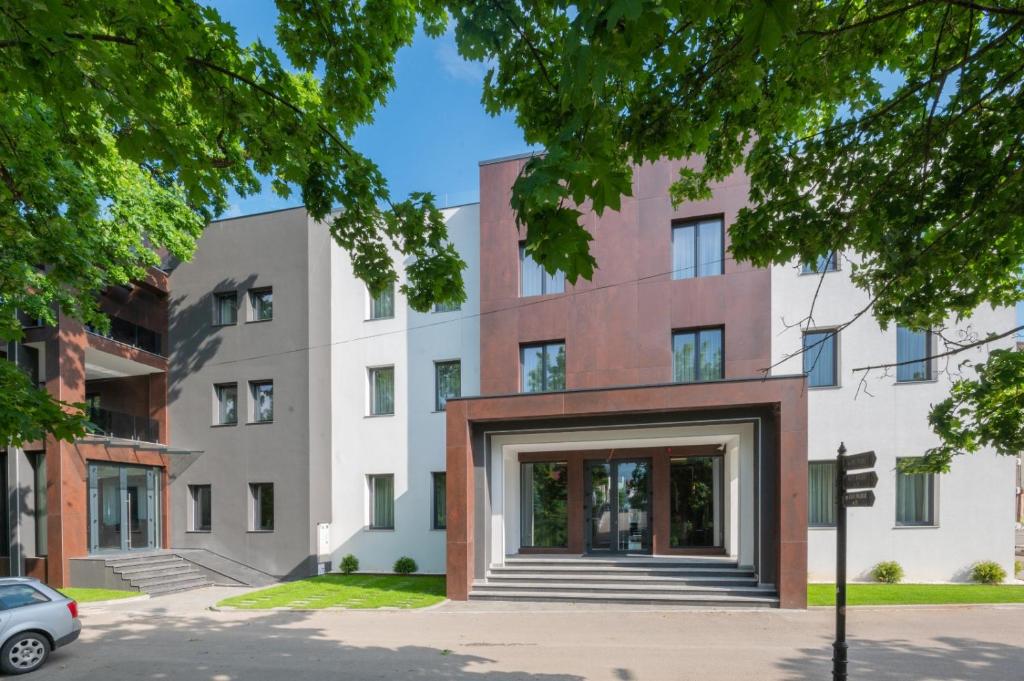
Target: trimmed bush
(988, 572)
(405, 566)
(349, 564)
(887, 572)
(1018, 567)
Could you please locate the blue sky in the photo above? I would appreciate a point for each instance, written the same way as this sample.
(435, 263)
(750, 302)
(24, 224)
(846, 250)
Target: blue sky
(430, 135)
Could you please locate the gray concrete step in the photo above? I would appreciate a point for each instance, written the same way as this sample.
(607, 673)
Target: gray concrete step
(585, 569)
(176, 587)
(634, 587)
(637, 598)
(150, 583)
(158, 570)
(695, 580)
(129, 562)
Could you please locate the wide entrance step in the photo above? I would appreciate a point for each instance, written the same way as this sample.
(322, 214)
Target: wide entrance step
(691, 581)
(157, 573)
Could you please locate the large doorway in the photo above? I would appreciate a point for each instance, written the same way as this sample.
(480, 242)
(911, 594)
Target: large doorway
(124, 508)
(617, 506)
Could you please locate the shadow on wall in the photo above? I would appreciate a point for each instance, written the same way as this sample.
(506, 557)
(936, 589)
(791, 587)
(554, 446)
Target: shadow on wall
(950, 659)
(263, 648)
(193, 340)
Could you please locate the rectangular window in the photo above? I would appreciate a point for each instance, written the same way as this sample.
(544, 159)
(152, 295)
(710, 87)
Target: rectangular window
(261, 302)
(447, 307)
(912, 351)
(695, 504)
(382, 391)
(202, 508)
(382, 305)
(382, 502)
(39, 500)
(821, 494)
(225, 308)
(227, 403)
(824, 263)
(915, 498)
(697, 248)
(19, 595)
(261, 495)
(534, 279)
(698, 355)
(820, 358)
(542, 367)
(447, 382)
(439, 512)
(262, 393)
(544, 507)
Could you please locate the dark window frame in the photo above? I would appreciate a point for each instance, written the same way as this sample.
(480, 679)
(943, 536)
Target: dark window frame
(812, 267)
(523, 255)
(927, 361)
(256, 496)
(832, 512)
(254, 308)
(697, 355)
(253, 393)
(437, 522)
(933, 506)
(217, 388)
(373, 523)
(833, 334)
(545, 346)
(439, 402)
(371, 312)
(218, 296)
(695, 223)
(195, 498)
(372, 390)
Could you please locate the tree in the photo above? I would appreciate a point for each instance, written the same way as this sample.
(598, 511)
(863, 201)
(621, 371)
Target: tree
(892, 129)
(124, 125)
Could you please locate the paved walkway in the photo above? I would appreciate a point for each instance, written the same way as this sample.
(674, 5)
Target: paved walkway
(176, 638)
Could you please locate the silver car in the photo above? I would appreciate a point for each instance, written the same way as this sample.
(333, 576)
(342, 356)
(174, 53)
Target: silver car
(34, 620)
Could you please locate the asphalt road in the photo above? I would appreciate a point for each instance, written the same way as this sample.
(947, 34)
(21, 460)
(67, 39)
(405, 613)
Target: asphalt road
(177, 638)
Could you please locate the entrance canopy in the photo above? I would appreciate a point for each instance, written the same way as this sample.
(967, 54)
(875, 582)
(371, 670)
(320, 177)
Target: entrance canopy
(714, 468)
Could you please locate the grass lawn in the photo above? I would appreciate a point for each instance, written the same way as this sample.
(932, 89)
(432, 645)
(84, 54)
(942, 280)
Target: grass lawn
(347, 591)
(916, 594)
(83, 595)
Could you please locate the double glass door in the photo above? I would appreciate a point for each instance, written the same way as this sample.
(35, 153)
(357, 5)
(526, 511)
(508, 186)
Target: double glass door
(618, 506)
(124, 508)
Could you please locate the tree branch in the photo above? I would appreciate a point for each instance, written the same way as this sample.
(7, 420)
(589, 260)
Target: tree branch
(960, 348)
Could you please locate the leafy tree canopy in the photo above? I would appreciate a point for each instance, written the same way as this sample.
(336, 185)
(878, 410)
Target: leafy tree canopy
(124, 126)
(923, 179)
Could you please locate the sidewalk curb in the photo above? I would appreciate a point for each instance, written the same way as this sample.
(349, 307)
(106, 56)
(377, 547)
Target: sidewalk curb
(132, 599)
(231, 608)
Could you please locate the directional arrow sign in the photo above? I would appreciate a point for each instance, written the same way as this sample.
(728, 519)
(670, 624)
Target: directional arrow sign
(864, 499)
(866, 480)
(862, 460)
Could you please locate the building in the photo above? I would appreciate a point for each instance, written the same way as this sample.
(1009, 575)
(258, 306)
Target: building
(105, 493)
(664, 409)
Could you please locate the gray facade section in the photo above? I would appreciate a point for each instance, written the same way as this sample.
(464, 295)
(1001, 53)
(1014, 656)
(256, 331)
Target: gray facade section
(282, 250)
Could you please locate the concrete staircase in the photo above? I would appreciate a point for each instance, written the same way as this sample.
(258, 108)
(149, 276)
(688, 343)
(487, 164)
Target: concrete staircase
(677, 581)
(157, 573)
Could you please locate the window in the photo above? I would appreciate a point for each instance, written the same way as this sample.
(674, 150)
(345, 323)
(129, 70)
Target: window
(695, 502)
(697, 355)
(382, 391)
(544, 506)
(912, 351)
(824, 263)
(821, 494)
(543, 367)
(915, 498)
(225, 308)
(534, 279)
(447, 307)
(382, 502)
(227, 404)
(19, 595)
(261, 495)
(262, 401)
(697, 249)
(447, 382)
(382, 305)
(39, 501)
(262, 303)
(438, 512)
(202, 508)
(820, 358)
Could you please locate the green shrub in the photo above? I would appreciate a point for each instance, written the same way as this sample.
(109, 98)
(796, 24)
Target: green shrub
(405, 566)
(1018, 567)
(349, 564)
(988, 572)
(888, 572)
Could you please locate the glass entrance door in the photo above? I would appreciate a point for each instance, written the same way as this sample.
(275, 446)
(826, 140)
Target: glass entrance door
(618, 499)
(124, 508)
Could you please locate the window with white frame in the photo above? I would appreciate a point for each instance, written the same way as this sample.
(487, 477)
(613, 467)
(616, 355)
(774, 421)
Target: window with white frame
(262, 396)
(202, 508)
(261, 500)
(261, 304)
(226, 395)
(382, 390)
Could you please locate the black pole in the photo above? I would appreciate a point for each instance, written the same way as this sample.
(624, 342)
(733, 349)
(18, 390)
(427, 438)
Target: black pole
(839, 647)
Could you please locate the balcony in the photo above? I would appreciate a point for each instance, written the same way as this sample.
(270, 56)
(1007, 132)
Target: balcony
(118, 424)
(123, 331)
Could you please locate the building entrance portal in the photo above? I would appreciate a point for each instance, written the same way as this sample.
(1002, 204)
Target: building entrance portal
(617, 506)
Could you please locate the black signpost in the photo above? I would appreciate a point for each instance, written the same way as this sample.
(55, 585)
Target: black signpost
(862, 483)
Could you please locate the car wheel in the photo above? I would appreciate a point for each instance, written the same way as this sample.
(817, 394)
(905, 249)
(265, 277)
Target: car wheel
(24, 653)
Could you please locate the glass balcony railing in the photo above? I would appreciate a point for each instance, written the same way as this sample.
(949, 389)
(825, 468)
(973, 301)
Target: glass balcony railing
(128, 333)
(118, 424)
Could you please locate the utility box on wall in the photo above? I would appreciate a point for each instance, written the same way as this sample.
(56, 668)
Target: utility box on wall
(323, 548)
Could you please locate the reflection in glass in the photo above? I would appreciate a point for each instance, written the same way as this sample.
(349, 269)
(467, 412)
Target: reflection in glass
(544, 504)
(695, 504)
(633, 526)
(600, 506)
